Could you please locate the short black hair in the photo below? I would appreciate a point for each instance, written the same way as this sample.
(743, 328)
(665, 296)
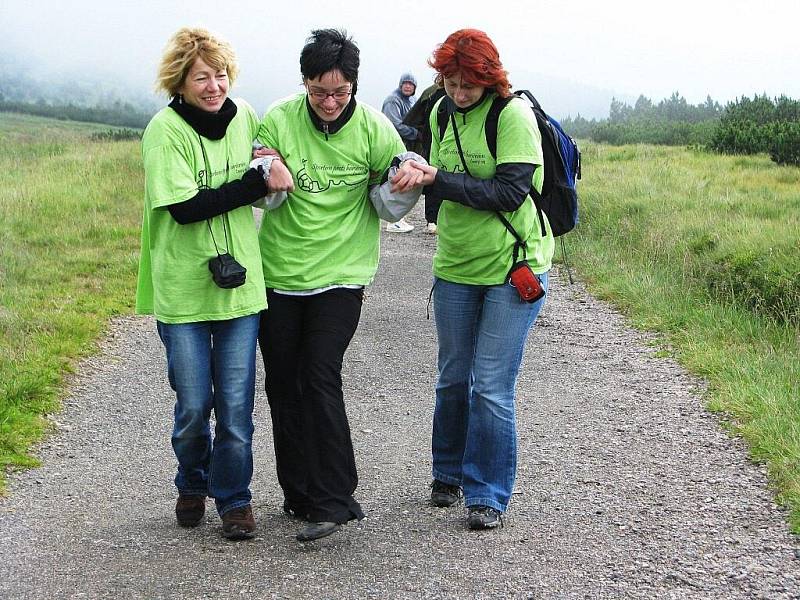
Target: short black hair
(327, 50)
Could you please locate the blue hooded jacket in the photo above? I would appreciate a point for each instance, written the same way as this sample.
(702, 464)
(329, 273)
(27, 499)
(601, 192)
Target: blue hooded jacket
(396, 106)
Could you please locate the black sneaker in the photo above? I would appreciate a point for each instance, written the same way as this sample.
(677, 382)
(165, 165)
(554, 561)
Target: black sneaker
(483, 517)
(315, 531)
(444, 494)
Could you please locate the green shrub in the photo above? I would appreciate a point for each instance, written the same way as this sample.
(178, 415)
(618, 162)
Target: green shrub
(734, 136)
(117, 135)
(765, 282)
(784, 146)
(760, 125)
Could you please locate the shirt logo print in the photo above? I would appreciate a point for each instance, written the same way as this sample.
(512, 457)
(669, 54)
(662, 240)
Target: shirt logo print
(308, 184)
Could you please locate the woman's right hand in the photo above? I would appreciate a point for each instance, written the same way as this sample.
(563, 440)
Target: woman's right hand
(280, 179)
(428, 172)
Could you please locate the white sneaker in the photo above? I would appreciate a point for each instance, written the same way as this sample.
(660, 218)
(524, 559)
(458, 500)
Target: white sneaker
(400, 227)
(431, 228)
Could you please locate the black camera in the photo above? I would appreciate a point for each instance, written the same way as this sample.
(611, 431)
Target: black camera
(226, 271)
(524, 279)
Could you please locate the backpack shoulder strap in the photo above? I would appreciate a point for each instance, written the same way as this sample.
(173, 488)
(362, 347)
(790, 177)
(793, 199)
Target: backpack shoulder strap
(531, 98)
(492, 118)
(443, 115)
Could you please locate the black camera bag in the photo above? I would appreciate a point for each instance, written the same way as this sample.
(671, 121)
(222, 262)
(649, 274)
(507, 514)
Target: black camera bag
(226, 271)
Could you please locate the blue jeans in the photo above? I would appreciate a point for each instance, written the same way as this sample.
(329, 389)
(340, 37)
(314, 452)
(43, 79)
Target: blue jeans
(482, 332)
(211, 365)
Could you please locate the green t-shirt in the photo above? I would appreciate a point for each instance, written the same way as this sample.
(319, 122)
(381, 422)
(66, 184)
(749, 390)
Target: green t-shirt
(327, 231)
(174, 283)
(473, 246)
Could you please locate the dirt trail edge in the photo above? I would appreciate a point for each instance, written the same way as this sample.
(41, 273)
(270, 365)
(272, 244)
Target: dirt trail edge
(627, 487)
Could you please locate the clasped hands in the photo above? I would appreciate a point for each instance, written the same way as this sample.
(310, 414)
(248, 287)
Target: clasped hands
(411, 174)
(280, 179)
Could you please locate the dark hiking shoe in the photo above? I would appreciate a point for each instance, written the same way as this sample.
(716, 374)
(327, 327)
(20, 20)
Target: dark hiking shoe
(483, 517)
(444, 494)
(315, 531)
(189, 510)
(239, 524)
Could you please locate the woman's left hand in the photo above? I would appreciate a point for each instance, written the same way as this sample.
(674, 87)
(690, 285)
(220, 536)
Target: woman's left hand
(280, 179)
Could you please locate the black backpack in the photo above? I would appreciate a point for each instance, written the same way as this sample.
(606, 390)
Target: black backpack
(562, 162)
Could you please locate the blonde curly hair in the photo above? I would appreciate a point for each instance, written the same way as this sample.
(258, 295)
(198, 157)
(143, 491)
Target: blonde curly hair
(184, 48)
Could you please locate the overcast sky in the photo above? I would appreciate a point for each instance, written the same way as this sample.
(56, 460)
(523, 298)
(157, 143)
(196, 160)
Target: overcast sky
(575, 54)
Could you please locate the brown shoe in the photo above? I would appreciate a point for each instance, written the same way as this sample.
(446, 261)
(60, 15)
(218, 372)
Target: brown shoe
(239, 524)
(190, 510)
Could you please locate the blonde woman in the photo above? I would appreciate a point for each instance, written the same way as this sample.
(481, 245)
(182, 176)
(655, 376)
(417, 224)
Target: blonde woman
(200, 271)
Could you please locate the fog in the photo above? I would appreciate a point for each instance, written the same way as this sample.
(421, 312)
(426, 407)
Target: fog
(574, 55)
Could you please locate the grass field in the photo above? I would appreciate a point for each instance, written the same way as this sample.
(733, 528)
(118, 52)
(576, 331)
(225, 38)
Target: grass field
(70, 213)
(703, 249)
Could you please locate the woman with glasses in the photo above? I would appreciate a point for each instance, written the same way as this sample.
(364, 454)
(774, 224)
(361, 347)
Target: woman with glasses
(482, 321)
(319, 250)
(198, 188)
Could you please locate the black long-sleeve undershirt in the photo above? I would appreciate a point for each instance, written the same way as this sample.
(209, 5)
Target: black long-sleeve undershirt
(212, 202)
(506, 191)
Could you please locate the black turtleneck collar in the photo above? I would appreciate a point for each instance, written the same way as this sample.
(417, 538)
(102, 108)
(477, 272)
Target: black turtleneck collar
(327, 127)
(486, 92)
(210, 125)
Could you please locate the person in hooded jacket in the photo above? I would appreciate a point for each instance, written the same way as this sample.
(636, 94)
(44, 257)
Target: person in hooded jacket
(419, 118)
(396, 107)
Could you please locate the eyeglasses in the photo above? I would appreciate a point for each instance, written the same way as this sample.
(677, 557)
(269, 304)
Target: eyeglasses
(322, 95)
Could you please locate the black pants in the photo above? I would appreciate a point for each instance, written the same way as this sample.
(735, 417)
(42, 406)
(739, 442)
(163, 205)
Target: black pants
(432, 205)
(303, 340)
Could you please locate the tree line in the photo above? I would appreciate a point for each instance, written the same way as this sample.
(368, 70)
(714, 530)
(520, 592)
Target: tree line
(744, 126)
(121, 114)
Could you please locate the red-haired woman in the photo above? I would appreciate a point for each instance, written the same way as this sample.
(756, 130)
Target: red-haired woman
(481, 320)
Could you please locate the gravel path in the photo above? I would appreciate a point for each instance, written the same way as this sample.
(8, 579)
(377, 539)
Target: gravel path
(627, 487)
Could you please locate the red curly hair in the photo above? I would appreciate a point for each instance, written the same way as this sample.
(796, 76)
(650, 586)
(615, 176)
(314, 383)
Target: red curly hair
(471, 52)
